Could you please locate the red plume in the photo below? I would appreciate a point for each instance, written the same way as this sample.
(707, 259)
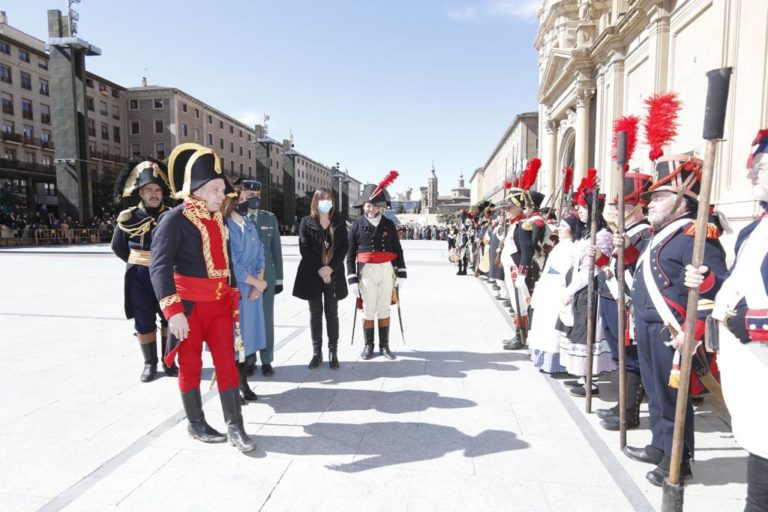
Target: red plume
(626, 124)
(387, 181)
(567, 180)
(586, 187)
(517, 182)
(507, 184)
(661, 122)
(530, 174)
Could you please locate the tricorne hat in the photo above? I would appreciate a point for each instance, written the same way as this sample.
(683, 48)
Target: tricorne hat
(139, 172)
(191, 166)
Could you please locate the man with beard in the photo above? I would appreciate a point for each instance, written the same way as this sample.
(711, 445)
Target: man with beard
(131, 242)
(375, 264)
(741, 312)
(659, 300)
(193, 280)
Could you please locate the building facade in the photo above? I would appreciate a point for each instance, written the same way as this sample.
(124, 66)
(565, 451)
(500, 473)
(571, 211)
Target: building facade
(599, 60)
(519, 144)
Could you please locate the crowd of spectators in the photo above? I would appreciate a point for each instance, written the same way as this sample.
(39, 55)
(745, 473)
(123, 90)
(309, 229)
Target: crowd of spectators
(43, 227)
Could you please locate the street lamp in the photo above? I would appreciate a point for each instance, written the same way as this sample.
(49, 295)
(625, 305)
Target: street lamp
(343, 178)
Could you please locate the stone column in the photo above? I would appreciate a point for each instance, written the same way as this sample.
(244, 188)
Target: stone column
(584, 92)
(658, 44)
(549, 157)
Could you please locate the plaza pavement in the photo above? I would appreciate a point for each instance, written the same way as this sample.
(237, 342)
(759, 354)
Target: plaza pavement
(455, 423)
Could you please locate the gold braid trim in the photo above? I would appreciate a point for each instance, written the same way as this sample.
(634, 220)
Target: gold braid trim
(194, 210)
(169, 300)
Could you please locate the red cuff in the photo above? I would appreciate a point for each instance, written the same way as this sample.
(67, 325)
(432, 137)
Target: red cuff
(756, 322)
(630, 254)
(709, 282)
(602, 260)
(171, 305)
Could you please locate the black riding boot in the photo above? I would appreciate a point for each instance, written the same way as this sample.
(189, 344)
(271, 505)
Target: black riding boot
(384, 338)
(247, 394)
(173, 370)
(233, 417)
(149, 351)
(333, 360)
(635, 393)
(196, 426)
(317, 354)
(368, 333)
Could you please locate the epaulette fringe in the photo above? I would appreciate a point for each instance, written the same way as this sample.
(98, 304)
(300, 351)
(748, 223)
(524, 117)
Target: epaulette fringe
(712, 231)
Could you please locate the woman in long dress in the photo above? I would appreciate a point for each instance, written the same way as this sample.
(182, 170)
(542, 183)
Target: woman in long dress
(544, 338)
(248, 267)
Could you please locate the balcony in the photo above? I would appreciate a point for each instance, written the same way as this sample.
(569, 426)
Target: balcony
(8, 109)
(45, 118)
(18, 165)
(27, 114)
(6, 78)
(47, 144)
(30, 140)
(11, 137)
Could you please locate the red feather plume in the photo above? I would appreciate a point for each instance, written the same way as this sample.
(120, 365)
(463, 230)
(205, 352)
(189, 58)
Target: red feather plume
(567, 180)
(507, 184)
(517, 182)
(661, 122)
(387, 181)
(530, 174)
(627, 124)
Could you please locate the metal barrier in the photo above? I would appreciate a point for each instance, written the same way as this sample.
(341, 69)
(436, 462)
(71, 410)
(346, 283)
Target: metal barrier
(54, 236)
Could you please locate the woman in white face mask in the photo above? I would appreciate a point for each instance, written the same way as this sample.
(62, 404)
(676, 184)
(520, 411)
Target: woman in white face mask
(320, 278)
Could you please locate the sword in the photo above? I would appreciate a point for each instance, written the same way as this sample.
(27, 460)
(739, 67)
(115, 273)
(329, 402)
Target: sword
(400, 314)
(354, 318)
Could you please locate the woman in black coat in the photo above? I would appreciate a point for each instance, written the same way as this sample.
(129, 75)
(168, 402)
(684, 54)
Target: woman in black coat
(320, 279)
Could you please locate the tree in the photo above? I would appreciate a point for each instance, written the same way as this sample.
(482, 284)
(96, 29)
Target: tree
(303, 206)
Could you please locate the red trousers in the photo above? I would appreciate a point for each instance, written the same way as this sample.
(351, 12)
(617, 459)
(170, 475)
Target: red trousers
(210, 322)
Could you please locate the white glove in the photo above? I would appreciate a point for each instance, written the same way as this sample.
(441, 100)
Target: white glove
(399, 282)
(354, 289)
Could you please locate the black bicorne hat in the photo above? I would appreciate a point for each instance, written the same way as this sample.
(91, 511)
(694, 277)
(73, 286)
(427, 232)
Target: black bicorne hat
(191, 166)
(139, 172)
(381, 199)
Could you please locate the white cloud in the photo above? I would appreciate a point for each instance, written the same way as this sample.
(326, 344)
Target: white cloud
(251, 118)
(465, 13)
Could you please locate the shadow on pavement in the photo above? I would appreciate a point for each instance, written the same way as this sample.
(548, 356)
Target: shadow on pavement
(382, 444)
(302, 400)
(710, 472)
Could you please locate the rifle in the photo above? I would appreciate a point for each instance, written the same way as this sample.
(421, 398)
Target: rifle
(621, 160)
(591, 309)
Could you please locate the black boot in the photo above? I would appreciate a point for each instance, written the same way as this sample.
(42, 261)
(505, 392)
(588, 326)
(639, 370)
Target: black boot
(635, 395)
(196, 426)
(247, 394)
(173, 370)
(648, 454)
(233, 417)
(149, 350)
(384, 339)
(368, 333)
(607, 413)
(657, 475)
(333, 360)
(317, 354)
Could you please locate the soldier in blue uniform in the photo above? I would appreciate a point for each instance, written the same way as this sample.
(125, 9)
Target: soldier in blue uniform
(147, 179)
(634, 240)
(269, 233)
(375, 265)
(659, 299)
(741, 312)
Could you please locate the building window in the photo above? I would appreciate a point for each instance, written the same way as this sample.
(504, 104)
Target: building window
(210, 140)
(197, 113)
(8, 127)
(249, 171)
(184, 130)
(160, 150)
(42, 64)
(90, 104)
(23, 55)
(159, 103)
(232, 166)
(221, 125)
(5, 74)
(92, 127)
(249, 154)
(210, 119)
(115, 93)
(7, 101)
(26, 80)
(29, 157)
(44, 87)
(26, 109)
(221, 143)
(241, 150)
(241, 168)
(92, 148)
(231, 129)
(10, 154)
(29, 134)
(135, 149)
(50, 188)
(135, 128)
(89, 82)
(231, 147)
(103, 90)
(158, 126)
(45, 138)
(5, 48)
(116, 133)
(197, 134)
(241, 134)
(183, 107)
(115, 112)
(133, 105)
(103, 108)
(45, 114)
(104, 131)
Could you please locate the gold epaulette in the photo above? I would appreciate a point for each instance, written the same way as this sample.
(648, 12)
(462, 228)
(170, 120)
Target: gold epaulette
(712, 232)
(125, 214)
(140, 228)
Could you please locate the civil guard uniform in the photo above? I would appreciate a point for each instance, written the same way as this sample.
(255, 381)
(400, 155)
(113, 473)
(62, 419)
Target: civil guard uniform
(376, 264)
(192, 275)
(659, 300)
(638, 233)
(741, 309)
(131, 242)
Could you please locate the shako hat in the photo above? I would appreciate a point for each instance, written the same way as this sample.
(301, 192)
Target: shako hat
(678, 174)
(635, 185)
(191, 166)
(139, 172)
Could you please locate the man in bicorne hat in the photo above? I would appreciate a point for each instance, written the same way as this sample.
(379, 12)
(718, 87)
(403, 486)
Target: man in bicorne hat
(131, 242)
(659, 300)
(192, 278)
(741, 312)
(636, 236)
(375, 265)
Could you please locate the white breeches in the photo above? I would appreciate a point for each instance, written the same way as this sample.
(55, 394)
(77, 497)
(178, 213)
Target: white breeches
(376, 283)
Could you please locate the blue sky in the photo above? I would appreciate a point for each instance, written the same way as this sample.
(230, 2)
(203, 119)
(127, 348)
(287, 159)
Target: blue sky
(374, 84)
